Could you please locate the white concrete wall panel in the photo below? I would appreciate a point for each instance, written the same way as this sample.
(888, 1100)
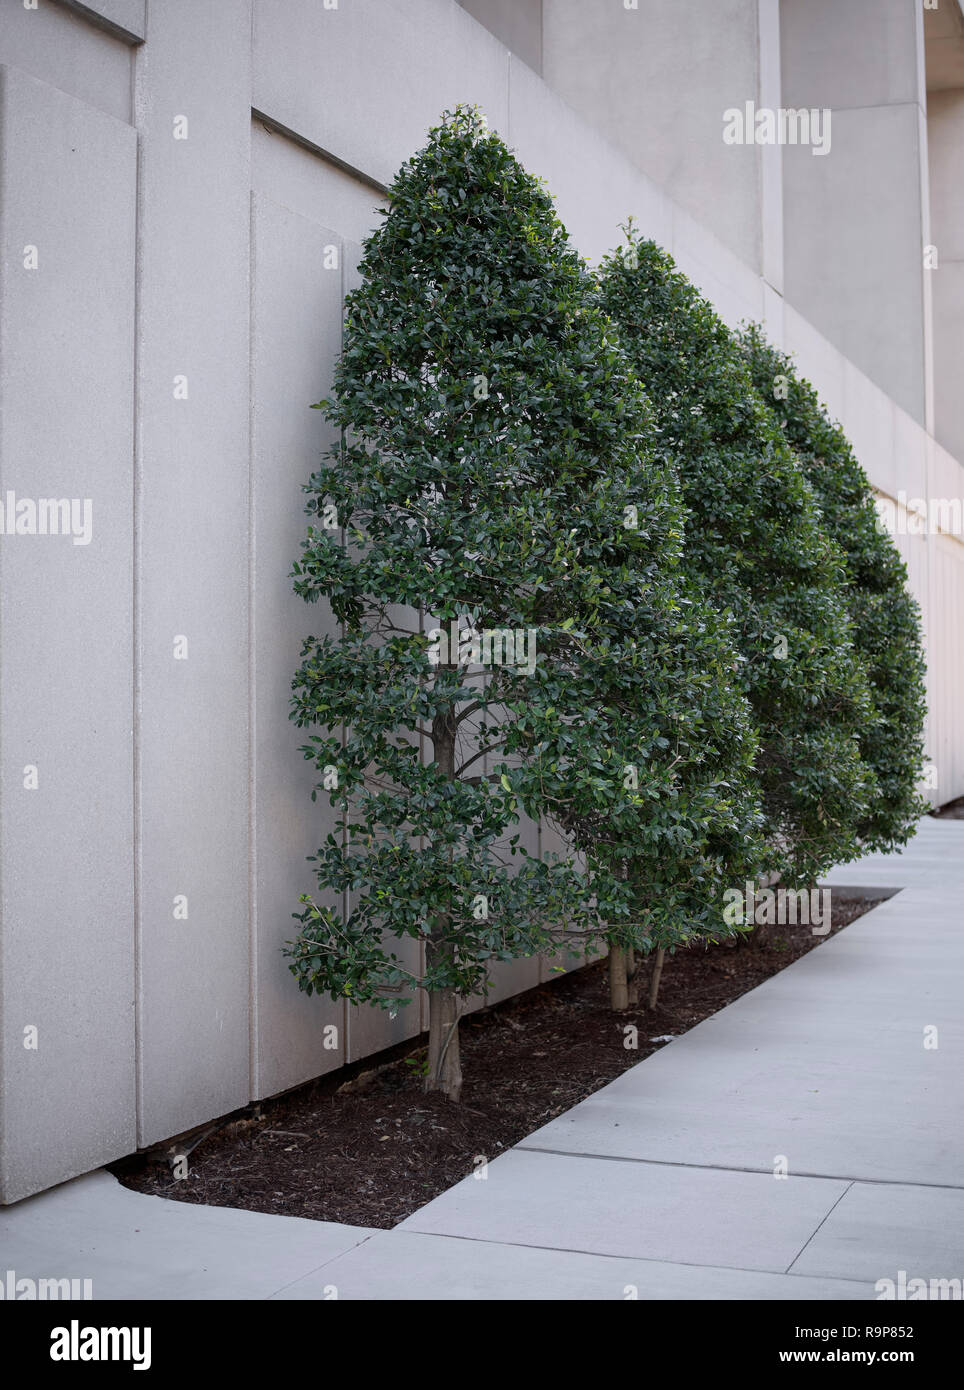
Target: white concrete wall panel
(945, 126)
(863, 50)
(295, 340)
(365, 81)
(286, 173)
(191, 99)
(947, 625)
(67, 181)
(516, 23)
(127, 18)
(655, 80)
(771, 156)
(64, 50)
(854, 218)
(854, 260)
(595, 187)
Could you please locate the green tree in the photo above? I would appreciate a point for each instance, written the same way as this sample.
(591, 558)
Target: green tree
(651, 702)
(490, 456)
(757, 545)
(886, 618)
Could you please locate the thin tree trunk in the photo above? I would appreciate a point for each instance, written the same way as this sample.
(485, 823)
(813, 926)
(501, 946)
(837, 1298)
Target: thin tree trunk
(762, 933)
(618, 984)
(632, 978)
(444, 1065)
(620, 970)
(657, 973)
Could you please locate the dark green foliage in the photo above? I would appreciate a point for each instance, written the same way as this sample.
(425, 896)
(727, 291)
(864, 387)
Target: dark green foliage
(886, 618)
(756, 543)
(652, 702)
(497, 468)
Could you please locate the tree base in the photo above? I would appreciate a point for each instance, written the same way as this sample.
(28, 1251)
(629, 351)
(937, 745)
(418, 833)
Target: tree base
(444, 1064)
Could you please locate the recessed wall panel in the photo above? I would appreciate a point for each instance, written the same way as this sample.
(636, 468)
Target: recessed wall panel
(67, 194)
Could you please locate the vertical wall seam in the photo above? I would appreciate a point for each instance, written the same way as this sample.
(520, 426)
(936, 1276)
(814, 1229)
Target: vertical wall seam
(254, 1078)
(508, 97)
(137, 501)
(254, 1063)
(769, 60)
(3, 1020)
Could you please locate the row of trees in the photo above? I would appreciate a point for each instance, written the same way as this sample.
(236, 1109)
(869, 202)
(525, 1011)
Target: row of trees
(595, 562)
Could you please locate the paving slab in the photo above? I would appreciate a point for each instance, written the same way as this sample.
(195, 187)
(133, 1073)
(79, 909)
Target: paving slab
(642, 1210)
(402, 1264)
(876, 1230)
(829, 1064)
(896, 1143)
(132, 1246)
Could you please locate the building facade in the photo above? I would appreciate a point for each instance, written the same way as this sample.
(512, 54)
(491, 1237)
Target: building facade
(184, 187)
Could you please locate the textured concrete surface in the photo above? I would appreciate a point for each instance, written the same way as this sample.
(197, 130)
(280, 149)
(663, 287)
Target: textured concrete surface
(657, 1211)
(126, 18)
(193, 585)
(945, 132)
(403, 1263)
(856, 220)
(879, 1228)
(132, 1246)
(620, 69)
(664, 1184)
(66, 601)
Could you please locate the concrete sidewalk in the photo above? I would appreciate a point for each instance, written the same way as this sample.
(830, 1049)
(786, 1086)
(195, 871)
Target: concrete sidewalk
(662, 1184)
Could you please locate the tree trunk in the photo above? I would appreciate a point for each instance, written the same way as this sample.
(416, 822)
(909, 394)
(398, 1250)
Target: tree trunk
(444, 1066)
(618, 984)
(657, 973)
(632, 978)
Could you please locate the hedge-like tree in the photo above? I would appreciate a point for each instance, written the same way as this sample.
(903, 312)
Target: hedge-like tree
(470, 534)
(886, 618)
(654, 689)
(757, 544)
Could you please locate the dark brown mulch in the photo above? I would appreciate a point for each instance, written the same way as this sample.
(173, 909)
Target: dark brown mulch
(371, 1152)
(954, 810)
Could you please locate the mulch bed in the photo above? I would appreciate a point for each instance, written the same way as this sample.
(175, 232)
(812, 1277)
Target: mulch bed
(954, 810)
(370, 1151)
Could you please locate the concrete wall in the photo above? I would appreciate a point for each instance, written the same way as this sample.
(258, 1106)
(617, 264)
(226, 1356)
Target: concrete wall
(178, 324)
(841, 234)
(516, 23)
(857, 221)
(66, 783)
(945, 128)
(655, 81)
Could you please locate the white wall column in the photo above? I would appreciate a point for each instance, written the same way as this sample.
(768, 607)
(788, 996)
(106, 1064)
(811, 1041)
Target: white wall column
(856, 218)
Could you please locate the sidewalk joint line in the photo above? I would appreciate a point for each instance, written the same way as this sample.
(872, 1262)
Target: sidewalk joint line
(323, 1265)
(733, 1168)
(817, 1229)
(641, 1259)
